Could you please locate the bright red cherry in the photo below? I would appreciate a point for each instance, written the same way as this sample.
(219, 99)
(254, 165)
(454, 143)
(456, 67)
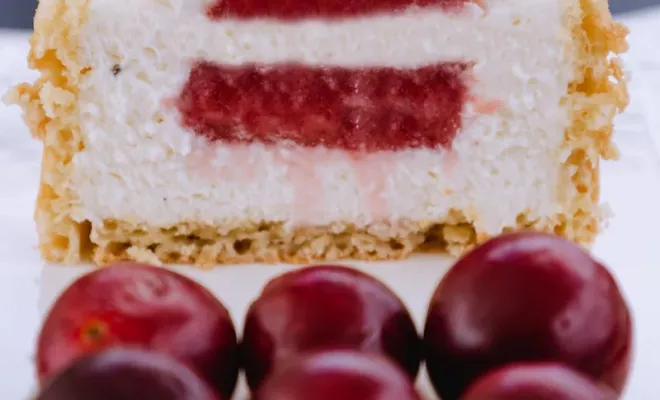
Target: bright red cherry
(540, 381)
(326, 307)
(526, 297)
(345, 375)
(146, 307)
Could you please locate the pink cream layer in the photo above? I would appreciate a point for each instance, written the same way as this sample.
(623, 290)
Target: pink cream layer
(371, 173)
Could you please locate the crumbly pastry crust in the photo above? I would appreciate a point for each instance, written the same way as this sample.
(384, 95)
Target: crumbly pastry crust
(50, 111)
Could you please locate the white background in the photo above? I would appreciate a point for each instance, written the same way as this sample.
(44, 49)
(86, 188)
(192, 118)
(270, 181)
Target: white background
(630, 246)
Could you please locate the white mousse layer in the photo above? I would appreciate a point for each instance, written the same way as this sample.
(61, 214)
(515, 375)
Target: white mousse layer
(141, 165)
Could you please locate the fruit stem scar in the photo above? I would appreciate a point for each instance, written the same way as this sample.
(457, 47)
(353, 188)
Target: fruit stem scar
(94, 332)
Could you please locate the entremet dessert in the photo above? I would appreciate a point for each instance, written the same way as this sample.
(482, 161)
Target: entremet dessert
(227, 131)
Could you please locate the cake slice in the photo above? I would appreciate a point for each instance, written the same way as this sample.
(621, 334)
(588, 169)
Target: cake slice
(227, 131)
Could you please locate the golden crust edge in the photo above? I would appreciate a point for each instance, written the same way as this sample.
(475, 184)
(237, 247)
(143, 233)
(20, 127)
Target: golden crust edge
(49, 107)
(596, 97)
(49, 111)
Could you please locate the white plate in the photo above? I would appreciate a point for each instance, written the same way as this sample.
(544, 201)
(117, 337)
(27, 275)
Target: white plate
(630, 246)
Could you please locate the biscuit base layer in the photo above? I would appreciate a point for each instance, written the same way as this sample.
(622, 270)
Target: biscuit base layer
(270, 243)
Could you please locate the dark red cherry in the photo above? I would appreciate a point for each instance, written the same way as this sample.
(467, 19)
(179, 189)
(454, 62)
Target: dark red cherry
(526, 297)
(146, 307)
(333, 375)
(326, 307)
(540, 381)
(120, 374)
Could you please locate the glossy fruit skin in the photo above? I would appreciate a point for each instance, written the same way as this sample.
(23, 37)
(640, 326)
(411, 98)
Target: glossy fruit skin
(538, 381)
(333, 375)
(123, 374)
(146, 307)
(526, 297)
(322, 308)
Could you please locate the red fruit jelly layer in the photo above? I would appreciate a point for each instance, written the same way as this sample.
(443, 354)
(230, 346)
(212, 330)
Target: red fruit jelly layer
(297, 9)
(366, 109)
